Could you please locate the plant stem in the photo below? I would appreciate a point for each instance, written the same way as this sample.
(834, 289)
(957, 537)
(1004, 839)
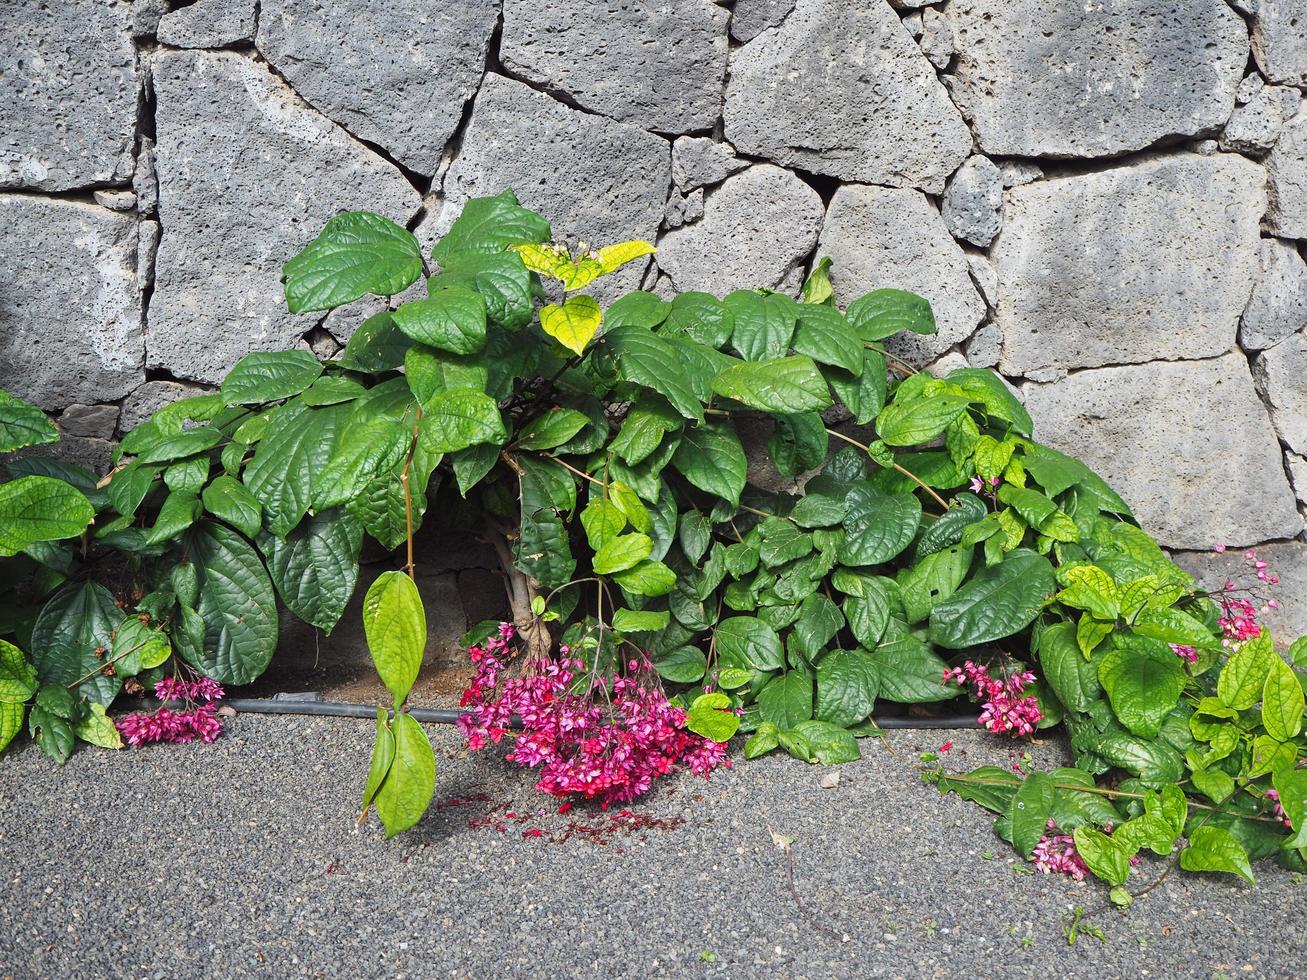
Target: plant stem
(1111, 793)
(898, 468)
(108, 663)
(408, 493)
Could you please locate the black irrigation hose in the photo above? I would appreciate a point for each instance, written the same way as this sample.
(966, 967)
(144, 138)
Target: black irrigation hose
(313, 705)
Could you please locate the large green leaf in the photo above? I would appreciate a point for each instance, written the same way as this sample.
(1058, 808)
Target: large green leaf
(227, 499)
(1143, 680)
(383, 756)
(357, 252)
(377, 345)
(764, 324)
(395, 624)
(40, 508)
(553, 428)
(701, 317)
(1028, 813)
(316, 566)
(295, 448)
(847, 684)
(863, 394)
(1243, 678)
(452, 319)
(77, 621)
(501, 279)
(932, 580)
(711, 457)
(784, 385)
(1073, 679)
(829, 744)
(987, 388)
(1216, 849)
(918, 419)
(23, 424)
(460, 418)
(907, 670)
(645, 359)
(17, 676)
(488, 225)
(646, 423)
(621, 553)
(750, 641)
(269, 376)
(1282, 702)
(824, 336)
(878, 525)
(408, 787)
(882, 313)
(542, 549)
(237, 605)
(786, 700)
(641, 308)
(998, 601)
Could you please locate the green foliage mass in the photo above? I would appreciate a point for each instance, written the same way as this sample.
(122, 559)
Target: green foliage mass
(603, 450)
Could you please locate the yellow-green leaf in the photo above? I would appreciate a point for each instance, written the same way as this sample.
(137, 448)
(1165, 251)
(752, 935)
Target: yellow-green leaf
(573, 324)
(1282, 701)
(99, 729)
(613, 257)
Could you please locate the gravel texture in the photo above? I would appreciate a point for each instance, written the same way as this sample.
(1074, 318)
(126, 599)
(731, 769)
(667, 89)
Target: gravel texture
(242, 859)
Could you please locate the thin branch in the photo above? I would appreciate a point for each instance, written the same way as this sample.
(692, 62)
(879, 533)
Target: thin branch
(897, 467)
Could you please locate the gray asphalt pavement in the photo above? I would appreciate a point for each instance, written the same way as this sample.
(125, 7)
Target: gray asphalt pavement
(241, 858)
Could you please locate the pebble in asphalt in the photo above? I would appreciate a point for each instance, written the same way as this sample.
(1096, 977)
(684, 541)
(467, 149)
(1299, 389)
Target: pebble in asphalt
(241, 858)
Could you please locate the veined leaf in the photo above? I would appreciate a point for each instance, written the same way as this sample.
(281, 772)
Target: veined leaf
(316, 567)
(710, 457)
(269, 376)
(764, 325)
(75, 622)
(357, 252)
(501, 279)
(395, 624)
(573, 324)
(40, 508)
(882, 313)
(488, 225)
(237, 605)
(998, 601)
(824, 336)
(645, 359)
(452, 319)
(785, 385)
(407, 789)
(23, 424)
(460, 418)
(294, 450)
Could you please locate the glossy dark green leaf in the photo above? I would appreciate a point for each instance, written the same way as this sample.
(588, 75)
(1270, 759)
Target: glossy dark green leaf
(457, 419)
(645, 359)
(488, 225)
(40, 508)
(542, 550)
(882, 313)
(502, 280)
(681, 665)
(23, 424)
(1143, 680)
(764, 324)
(702, 317)
(847, 685)
(1073, 678)
(296, 448)
(996, 602)
(452, 319)
(1028, 813)
(316, 567)
(750, 641)
(266, 376)
(907, 670)
(356, 253)
(77, 621)
(786, 700)
(783, 385)
(824, 336)
(640, 308)
(237, 605)
(377, 345)
(710, 457)
(878, 526)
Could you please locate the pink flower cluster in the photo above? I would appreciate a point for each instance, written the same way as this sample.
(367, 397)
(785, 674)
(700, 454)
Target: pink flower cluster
(1056, 854)
(1184, 652)
(607, 742)
(1238, 619)
(978, 485)
(1004, 707)
(1280, 815)
(198, 721)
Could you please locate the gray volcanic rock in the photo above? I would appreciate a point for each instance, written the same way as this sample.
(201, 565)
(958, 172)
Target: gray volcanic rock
(1281, 374)
(70, 89)
(70, 308)
(593, 178)
(1087, 80)
(842, 89)
(1133, 263)
(396, 74)
(973, 203)
(1188, 445)
(756, 228)
(1278, 307)
(232, 137)
(882, 237)
(1280, 40)
(655, 65)
(208, 24)
(1286, 167)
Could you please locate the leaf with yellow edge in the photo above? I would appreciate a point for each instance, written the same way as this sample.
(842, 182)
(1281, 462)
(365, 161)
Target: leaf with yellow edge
(99, 729)
(613, 257)
(573, 324)
(555, 262)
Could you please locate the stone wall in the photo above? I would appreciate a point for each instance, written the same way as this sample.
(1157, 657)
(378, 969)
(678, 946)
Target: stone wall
(1107, 202)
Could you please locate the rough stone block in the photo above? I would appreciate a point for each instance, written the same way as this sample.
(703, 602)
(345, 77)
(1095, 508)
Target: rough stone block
(232, 138)
(1253, 127)
(70, 309)
(882, 237)
(1280, 40)
(1278, 307)
(1085, 80)
(655, 65)
(751, 17)
(698, 161)
(985, 347)
(1281, 374)
(841, 89)
(1188, 445)
(1286, 168)
(593, 178)
(90, 421)
(208, 24)
(973, 204)
(756, 228)
(70, 89)
(152, 396)
(1154, 260)
(683, 209)
(396, 74)
(1288, 560)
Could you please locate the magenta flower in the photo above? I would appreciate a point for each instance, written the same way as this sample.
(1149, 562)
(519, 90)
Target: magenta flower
(1004, 708)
